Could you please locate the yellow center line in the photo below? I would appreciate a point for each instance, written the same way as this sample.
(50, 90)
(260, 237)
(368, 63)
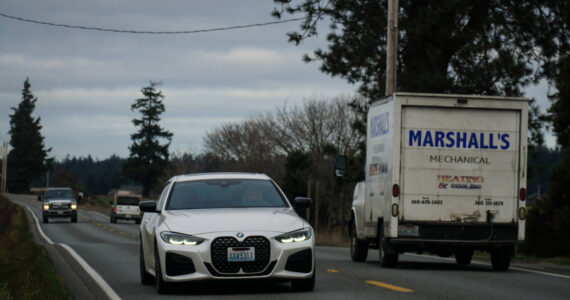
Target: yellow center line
(389, 286)
(332, 271)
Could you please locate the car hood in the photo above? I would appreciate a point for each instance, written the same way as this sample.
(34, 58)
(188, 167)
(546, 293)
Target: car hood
(201, 221)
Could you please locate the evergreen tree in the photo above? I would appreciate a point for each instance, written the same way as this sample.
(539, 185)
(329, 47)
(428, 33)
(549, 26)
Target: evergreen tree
(28, 157)
(148, 156)
(454, 46)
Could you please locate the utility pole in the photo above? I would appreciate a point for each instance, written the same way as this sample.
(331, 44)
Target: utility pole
(392, 47)
(4, 154)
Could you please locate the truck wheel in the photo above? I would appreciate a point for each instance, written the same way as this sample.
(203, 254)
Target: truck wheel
(388, 259)
(46, 220)
(113, 219)
(74, 219)
(463, 256)
(501, 258)
(358, 248)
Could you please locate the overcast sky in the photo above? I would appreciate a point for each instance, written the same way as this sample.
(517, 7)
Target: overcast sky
(86, 80)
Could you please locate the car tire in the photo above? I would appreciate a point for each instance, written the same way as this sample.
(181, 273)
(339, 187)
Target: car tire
(138, 221)
(388, 259)
(162, 287)
(46, 219)
(146, 278)
(463, 256)
(113, 220)
(305, 285)
(501, 258)
(358, 248)
(74, 219)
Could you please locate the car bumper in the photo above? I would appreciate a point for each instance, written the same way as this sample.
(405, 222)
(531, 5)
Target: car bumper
(286, 262)
(60, 213)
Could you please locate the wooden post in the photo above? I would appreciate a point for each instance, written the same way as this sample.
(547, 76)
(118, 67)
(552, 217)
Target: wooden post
(317, 206)
(4, 154)
(392, 47)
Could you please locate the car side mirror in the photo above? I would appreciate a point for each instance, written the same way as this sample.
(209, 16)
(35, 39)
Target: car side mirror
(148, 206)
(302, 202)
(340, 166)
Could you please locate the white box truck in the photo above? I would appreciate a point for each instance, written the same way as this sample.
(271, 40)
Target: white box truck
(444, 174)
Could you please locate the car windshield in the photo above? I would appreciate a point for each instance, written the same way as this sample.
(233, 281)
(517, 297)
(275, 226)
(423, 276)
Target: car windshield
(122, 200)
(59, 194)
(224, 193)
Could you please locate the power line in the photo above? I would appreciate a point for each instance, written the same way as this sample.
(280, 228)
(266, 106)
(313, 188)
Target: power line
(150, 32)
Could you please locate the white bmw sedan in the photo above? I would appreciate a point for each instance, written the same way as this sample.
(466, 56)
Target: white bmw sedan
(225, 226)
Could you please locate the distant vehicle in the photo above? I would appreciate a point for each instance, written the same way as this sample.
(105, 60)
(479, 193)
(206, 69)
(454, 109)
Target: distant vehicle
(444, 174)
(58, 203)
(125, 205)
(225, 226)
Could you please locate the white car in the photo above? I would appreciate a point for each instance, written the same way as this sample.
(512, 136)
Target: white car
(225, 226)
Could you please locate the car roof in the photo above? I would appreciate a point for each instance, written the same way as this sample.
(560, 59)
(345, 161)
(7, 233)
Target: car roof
(219, 175)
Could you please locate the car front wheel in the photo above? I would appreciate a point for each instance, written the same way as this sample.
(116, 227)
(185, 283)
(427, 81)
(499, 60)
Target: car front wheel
(146, 278)
(162, 287)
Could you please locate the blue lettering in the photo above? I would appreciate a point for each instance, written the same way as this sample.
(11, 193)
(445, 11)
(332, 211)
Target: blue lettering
(473, 141)
(428, 139)
(439, 138)
(415, 137)
(379, 125)
(491, 145)
(450, 139)
(483, 146)
(461, 139)
(505, 139)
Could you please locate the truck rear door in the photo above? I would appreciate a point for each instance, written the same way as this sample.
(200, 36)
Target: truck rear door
(459, 164)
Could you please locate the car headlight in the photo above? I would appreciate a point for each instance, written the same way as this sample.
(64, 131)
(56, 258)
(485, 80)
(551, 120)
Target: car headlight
(46, 206)
(180, 239)
(73, 206)
(295, 236)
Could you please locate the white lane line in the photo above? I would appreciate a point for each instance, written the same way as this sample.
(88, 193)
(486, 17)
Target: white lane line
(488, 264)
(94, 275)
(48, 240)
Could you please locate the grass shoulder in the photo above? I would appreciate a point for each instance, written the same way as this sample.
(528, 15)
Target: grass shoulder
(26, 271)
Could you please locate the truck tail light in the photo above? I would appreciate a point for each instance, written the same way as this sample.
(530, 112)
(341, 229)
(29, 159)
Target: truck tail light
(115, 209)
(395, 190)
(522, 194)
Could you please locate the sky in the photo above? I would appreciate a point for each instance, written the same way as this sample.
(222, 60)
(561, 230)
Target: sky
(86, 81)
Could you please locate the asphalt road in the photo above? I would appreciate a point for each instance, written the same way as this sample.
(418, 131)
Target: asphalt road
(99, 260)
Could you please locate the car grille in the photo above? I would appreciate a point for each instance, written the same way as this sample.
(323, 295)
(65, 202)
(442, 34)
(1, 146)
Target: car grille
(219, 251)
(62, 206)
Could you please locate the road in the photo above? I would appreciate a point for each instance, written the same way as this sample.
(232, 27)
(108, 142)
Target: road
(109, 252)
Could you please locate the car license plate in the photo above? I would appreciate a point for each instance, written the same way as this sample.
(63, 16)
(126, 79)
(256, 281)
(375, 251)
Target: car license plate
(128, 216)
(236, 254)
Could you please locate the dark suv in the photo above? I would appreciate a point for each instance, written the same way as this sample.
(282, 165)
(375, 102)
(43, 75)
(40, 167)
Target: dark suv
(59, 203)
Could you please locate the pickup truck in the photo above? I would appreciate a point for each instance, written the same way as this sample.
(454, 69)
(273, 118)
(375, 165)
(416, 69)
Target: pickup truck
(58, 203)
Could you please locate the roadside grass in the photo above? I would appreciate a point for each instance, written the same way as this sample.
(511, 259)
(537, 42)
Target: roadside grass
(99, 203)
(26, 271)
(332, 238)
